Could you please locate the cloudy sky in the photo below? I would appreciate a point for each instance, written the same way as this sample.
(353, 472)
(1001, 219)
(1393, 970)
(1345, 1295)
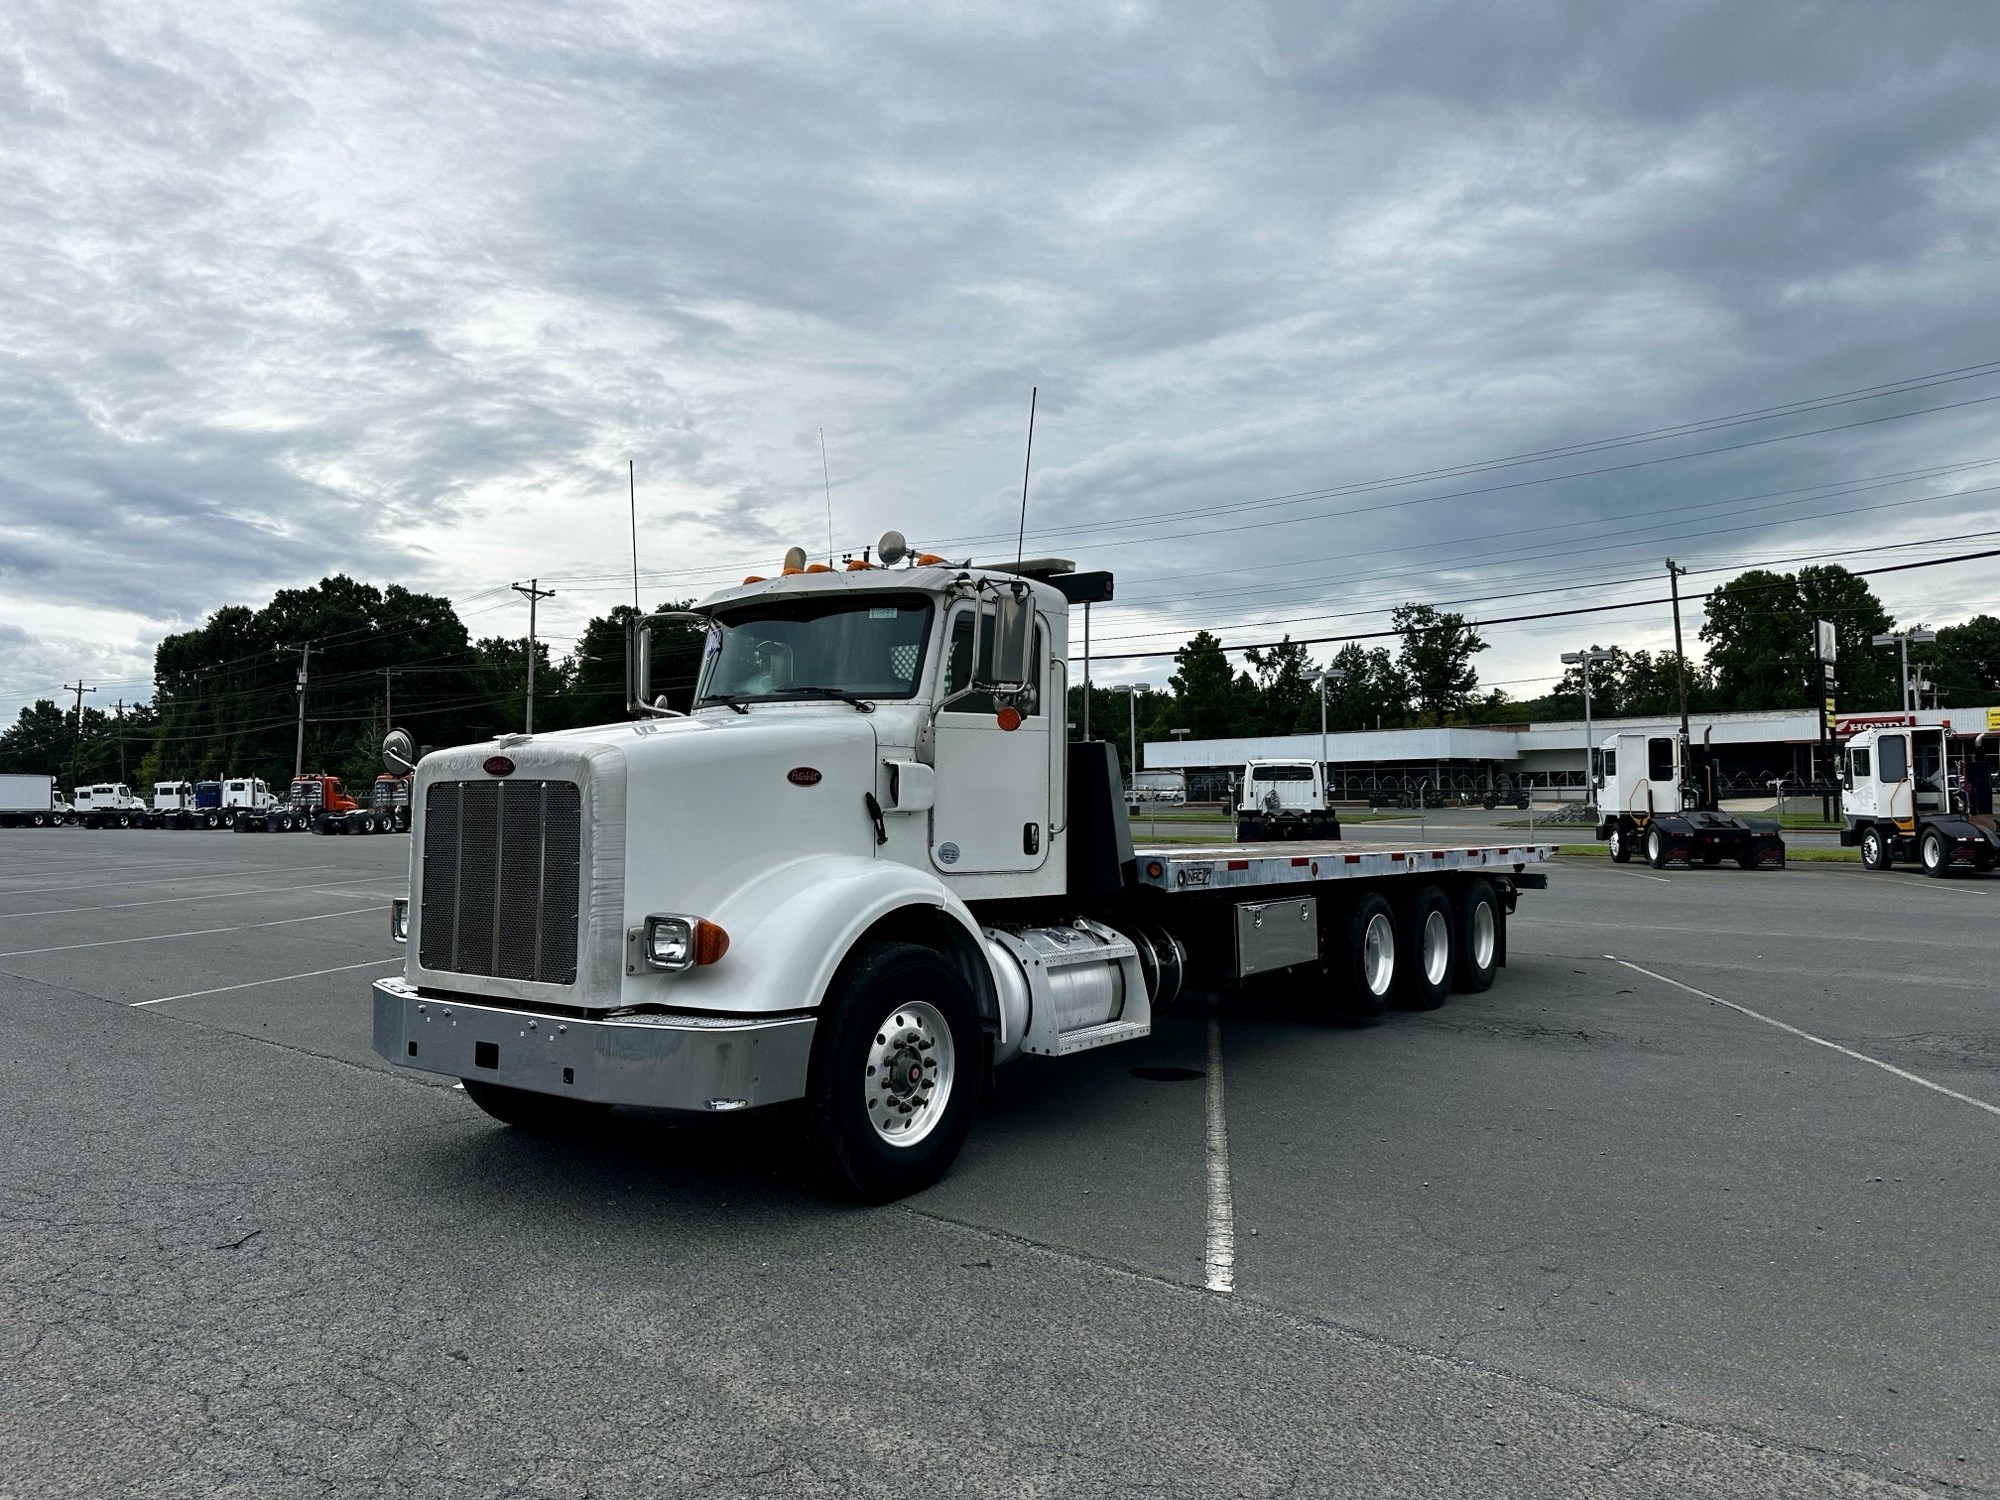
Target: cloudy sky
(398, 289)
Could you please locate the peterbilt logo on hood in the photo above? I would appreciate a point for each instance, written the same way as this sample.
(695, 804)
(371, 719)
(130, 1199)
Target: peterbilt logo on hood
(803, 776)
(499, 765)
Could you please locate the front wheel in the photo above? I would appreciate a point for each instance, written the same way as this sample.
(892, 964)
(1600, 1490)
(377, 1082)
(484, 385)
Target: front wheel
(1621, 845)
(896, 1072)
(1874, 850)
(527, 1110)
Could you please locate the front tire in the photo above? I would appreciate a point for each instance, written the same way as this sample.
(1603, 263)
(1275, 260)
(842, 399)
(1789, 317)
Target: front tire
(1428, 940)
(548, 1113)
(1621, 845)
(1874, 849)
(896, 1072)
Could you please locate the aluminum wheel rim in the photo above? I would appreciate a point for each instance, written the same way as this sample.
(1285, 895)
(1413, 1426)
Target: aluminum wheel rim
(1933, 853)
(1653, 843)
(911, 1067)
(1378, 954)
(1483, 935)
(1437, 947)
(1871, 845)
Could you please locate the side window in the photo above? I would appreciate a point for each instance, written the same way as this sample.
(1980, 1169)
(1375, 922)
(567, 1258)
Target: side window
(1892, 758)
(1858, 763)
(958, 668)
(1660, 760)
(1610, 762)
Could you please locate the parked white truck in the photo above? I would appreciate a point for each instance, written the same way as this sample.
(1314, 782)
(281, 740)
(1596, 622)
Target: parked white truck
(31, 802)
(108, 804)
(1905, 795)
(867, 869)
(1284, 799)
(1657, 799)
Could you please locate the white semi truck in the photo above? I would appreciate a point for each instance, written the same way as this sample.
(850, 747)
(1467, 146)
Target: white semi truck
(108, 804)
(868, 868)
(31, 802)
(1658, 800)
(1904, 795)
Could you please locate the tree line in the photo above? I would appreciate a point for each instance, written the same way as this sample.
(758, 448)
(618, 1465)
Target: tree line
(225, 693)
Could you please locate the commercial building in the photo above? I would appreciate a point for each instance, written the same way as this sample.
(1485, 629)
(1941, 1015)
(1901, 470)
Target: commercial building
(1753, 751)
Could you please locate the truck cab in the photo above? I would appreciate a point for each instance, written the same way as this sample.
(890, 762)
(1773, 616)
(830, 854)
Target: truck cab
(1284, 799)
(107, 805)
(865, 868)
(1905, 796)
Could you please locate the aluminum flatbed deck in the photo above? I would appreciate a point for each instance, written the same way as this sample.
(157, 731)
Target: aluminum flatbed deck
(1177, 867)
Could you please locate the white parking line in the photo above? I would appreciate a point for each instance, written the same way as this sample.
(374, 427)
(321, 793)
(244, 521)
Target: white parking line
(1817, 1041)
(70, 911)
(223, 989)
(101, 878)
(158, 937)
(1219, 1256)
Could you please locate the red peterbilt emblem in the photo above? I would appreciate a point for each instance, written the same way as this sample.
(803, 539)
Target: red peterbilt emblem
(803, 776)
(499, 765)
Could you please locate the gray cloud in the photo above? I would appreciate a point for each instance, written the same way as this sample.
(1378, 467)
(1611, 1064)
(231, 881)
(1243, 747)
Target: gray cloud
(396, 289)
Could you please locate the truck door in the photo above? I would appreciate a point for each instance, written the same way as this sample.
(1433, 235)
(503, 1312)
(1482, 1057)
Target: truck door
(992, 809)
(1857, 787)
(1927, 770)
(1895, 793)
(1663, 774)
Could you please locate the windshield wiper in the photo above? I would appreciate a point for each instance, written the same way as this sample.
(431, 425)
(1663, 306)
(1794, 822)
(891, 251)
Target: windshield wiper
(724, 698)
(829, 692)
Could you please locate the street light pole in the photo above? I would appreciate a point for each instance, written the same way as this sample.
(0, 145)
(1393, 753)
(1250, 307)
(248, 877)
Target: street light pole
(1901, 640)
(1321, 678)
(1583, 659)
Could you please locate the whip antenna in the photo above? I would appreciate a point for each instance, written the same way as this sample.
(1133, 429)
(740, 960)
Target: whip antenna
(1021, 540)
(826, 478)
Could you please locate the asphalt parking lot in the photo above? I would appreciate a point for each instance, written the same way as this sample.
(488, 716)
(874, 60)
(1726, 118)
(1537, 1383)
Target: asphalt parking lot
(1700, 1199)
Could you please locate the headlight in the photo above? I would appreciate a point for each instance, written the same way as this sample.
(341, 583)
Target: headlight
(676, 944)
(399, 919)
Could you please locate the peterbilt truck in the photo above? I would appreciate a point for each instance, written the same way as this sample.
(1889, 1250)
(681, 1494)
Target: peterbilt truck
(866, 869)
(1659, 800)
(1904, 794)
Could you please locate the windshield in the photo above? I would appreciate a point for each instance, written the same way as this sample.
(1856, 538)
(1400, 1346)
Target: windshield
(871, 647)
(1281, 773)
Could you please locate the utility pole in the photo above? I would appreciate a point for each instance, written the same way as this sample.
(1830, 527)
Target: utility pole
(76, 749)
(534, 593)
(388, 700)
(299, 746)
(1680, 654)
(121, 739)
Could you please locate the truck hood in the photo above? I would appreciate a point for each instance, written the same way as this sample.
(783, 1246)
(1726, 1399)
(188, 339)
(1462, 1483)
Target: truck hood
(668, 816)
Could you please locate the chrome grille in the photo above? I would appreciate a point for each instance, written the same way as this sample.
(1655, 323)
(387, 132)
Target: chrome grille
(502, 873)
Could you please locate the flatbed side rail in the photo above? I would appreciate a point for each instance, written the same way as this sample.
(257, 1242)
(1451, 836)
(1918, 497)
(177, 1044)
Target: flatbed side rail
(1237, 866)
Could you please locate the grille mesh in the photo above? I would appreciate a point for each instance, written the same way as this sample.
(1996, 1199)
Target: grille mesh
(502, 873)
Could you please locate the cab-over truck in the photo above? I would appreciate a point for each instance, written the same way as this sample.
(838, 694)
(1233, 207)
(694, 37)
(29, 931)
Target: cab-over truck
(865, 870)
(1916, 791)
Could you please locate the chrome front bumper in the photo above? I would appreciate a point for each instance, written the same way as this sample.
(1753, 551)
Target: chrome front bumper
(662, 1062)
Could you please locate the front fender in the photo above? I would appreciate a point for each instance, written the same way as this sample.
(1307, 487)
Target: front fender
(790, 929)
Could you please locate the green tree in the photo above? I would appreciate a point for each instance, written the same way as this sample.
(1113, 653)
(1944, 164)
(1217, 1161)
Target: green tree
(1372, 693)
(1436, 659)
(1759, 633)
(1286, 700)
(39, 742)
(1965, 663)
(1209, 698)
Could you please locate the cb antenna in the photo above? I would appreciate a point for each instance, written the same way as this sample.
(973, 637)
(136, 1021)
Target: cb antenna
(826, 478)
(1020, 541)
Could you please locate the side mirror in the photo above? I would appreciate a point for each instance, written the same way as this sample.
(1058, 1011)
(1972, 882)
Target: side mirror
(399, 752)
(1013, 639)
